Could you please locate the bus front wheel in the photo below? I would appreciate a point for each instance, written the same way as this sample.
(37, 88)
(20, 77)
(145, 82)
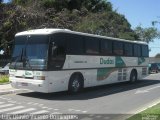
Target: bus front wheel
(75, 84)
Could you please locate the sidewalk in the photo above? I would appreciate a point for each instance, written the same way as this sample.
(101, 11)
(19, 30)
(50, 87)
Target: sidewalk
(8, 89)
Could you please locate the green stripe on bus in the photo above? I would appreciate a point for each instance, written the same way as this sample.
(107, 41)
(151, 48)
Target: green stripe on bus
(119, 62)
(104, 73)
(141, 60)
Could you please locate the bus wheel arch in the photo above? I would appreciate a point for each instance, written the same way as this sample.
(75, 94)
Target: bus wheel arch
(133, 76)
(76, 82)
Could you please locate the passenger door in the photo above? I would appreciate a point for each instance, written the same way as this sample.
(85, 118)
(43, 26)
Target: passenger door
(57, 52)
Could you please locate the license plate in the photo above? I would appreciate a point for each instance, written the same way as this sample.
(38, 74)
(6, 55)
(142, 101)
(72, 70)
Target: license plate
(24, 84)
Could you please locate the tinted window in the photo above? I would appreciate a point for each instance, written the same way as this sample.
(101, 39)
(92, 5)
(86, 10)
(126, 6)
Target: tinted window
(145, 51)
(75, 44)
(118, 48)
(34, 51)
(92, 45)
(128, 50)
(137, 50)
(106, 47)
(59, 44)
(57, 51)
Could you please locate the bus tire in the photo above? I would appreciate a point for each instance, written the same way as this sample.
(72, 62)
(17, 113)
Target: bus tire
(133, 76)
(75, 84)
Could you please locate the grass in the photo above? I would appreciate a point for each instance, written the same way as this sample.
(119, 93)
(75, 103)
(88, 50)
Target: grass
(4, 79)
(152, 113)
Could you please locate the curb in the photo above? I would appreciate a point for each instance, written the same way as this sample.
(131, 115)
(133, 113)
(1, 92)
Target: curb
(5, 83)
(12, 91)
(153, 103)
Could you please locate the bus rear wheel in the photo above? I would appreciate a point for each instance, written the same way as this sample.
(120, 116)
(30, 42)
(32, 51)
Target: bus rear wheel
(133, 76)
(75, 84)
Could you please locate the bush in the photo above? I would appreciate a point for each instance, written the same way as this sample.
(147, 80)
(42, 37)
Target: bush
(4, 79)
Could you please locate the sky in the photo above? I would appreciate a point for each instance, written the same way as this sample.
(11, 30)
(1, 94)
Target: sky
(5, 1)
(139, 12)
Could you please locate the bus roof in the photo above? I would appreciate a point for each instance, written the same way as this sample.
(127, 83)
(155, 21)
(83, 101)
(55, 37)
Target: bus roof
(47, 31)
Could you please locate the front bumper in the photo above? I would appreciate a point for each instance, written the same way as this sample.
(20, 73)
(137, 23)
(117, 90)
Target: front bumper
(35, 85)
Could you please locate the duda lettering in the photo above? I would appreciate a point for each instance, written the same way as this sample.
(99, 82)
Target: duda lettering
(107, 61)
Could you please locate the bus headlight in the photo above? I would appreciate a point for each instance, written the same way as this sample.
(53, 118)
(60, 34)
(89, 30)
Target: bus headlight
(39, 77)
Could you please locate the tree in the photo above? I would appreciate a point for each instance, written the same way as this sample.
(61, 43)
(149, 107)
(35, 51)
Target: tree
(158, 55)
(90, 16)
(107, 23)
(147, 34)
(1, 1)
(90, 5)
(97, 5)
(156, 22)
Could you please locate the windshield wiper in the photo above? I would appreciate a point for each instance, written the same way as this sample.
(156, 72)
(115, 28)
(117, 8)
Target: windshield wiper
(23, 57)
(26, 61)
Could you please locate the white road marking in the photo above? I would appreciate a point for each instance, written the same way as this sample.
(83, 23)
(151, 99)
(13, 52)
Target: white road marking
(40, 112)
(35, 103)
(56, 109)
(56, 113)
(9, 109)
(40, 104)
(5, 105)
(5, 98)
(141, 91)
(23, 111)
(77, 110)
(12, 101)
(30, 103)
(70, 109)
(49, 108)
(84, 111)
(1, 102)
(44, 107)
(146, 90)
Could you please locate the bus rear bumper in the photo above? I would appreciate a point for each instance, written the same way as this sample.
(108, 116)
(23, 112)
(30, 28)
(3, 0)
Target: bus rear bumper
(34, 85)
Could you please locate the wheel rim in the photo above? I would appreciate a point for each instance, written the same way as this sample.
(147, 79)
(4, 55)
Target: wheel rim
(75, 85)
(134, 78)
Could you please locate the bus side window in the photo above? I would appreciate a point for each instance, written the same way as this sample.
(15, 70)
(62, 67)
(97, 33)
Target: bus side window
(91, 46)
(128, 49)
(137, 50)
(57, 51)
(75, 44)
(53, 49)
(118, 48)
(145, 51)
(106, 47)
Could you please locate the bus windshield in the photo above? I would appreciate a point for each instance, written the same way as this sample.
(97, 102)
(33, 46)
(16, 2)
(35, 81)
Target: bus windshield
(30, 52)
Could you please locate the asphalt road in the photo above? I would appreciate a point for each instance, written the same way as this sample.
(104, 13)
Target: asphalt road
(112, 100)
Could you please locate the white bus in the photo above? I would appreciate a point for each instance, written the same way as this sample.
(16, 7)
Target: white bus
(52, 60)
